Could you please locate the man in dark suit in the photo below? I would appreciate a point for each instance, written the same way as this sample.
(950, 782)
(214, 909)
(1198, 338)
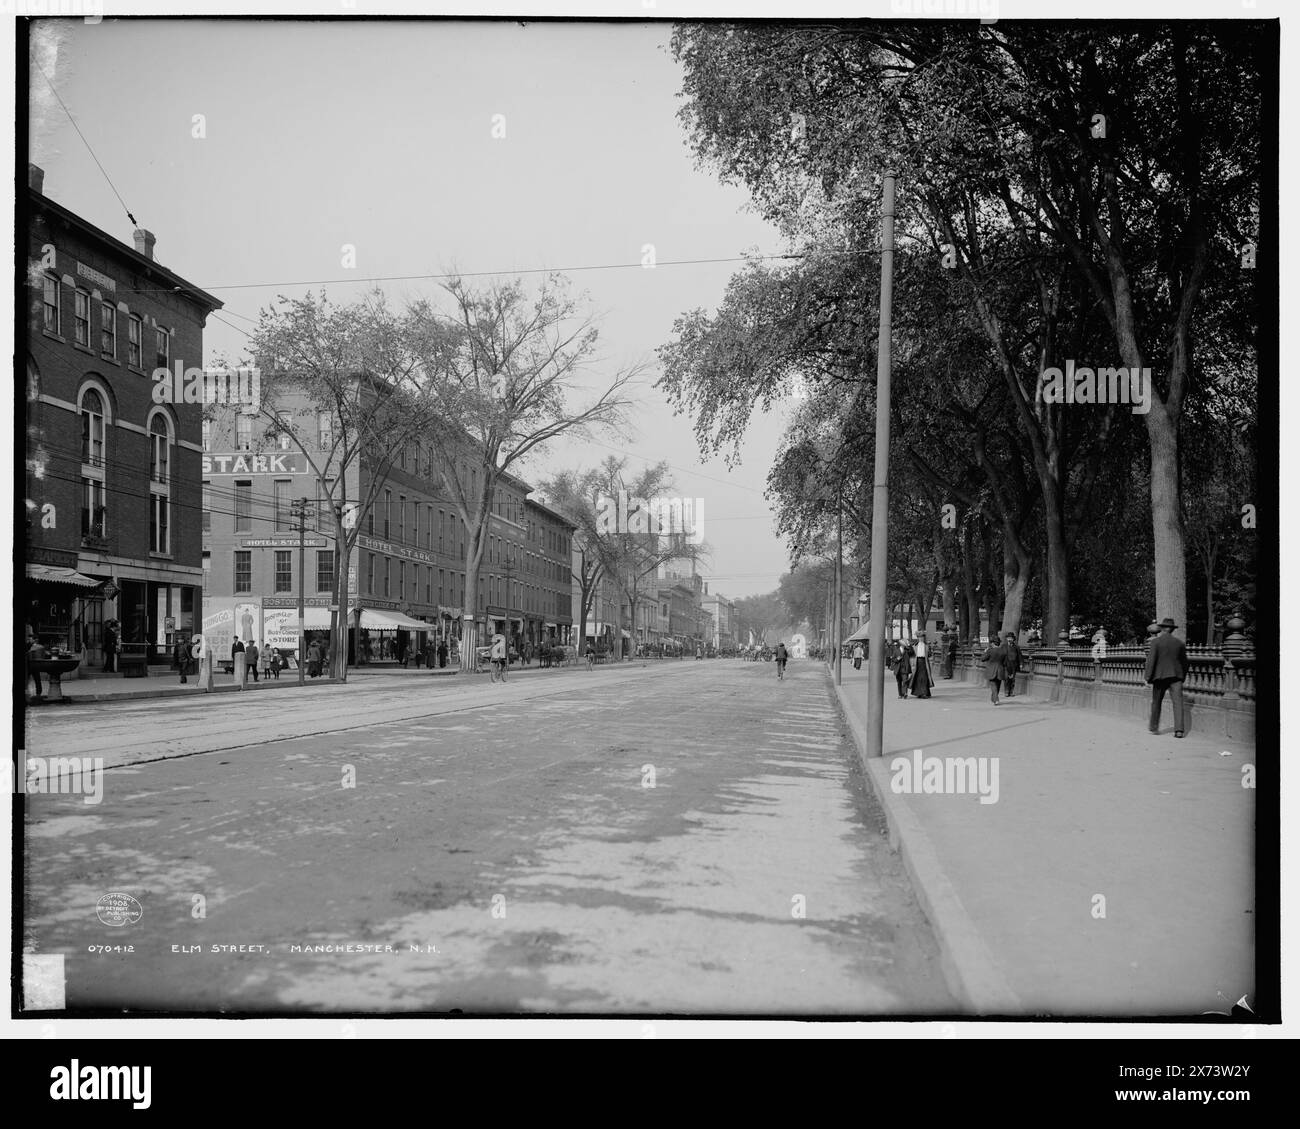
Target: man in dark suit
(995, 662)
(110, 648)
(1166, 669)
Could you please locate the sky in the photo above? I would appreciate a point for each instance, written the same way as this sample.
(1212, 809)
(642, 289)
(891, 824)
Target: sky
(380, 135)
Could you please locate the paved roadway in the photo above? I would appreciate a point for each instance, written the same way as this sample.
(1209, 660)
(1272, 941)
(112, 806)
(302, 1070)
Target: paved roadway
(504, 842)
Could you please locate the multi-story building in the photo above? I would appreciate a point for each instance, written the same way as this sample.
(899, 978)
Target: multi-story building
(112, 474)
(406, 577)
(721, 609)
(547, 575)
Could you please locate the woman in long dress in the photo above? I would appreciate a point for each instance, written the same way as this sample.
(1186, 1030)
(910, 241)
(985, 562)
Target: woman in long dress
(921, 680)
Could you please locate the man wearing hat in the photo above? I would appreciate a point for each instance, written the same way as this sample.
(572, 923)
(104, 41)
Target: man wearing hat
(1166, 669)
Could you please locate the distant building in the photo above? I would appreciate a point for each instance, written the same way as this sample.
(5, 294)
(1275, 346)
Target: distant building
(112, 476)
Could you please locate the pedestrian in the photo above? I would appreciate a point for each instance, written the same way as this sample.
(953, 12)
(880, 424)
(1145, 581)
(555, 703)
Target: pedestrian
(950, 659)
(264, 661)
(921, 680)
(1012, 664)
(181, 656)
(35, 653)
(110, 647)
(857, 656)
(995, 662)
(1166, 671)
(277, 663)
(250, 659)
(442, 653)
(782, 656)
(313, 659)
(903, 667)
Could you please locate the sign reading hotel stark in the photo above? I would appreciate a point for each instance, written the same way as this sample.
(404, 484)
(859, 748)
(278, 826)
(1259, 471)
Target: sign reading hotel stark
(245, 462)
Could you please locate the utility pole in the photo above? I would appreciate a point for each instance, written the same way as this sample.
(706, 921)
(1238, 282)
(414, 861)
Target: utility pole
(300, 512)
(880, 490)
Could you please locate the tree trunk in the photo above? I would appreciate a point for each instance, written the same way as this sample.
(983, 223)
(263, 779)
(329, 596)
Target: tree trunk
(1015, 582)
(1166, 518)
(1209, 561)
(949, 610)
(1057, 612)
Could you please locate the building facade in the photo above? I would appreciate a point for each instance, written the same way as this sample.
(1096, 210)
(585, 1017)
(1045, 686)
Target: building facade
(112, 474)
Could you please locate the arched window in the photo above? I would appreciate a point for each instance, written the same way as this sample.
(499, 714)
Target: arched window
(160, 461)
(160, 441)
(92, 428)
(94, 434)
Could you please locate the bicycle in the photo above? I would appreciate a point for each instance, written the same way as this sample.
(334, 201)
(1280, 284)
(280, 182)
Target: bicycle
(499, 672)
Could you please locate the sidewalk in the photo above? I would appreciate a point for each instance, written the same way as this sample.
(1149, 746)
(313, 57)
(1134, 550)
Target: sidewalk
(1113, 875)
(101, 687)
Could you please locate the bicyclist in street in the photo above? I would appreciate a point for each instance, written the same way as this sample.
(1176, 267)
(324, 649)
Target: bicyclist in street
(781, 656)
(591, 656)
(498, 657)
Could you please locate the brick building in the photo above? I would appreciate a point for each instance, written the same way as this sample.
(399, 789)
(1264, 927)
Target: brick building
(406, 582)
(112, 477)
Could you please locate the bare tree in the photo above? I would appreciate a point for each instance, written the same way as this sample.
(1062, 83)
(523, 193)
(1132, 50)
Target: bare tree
(501, 371)
(352, 366)
(628, 528)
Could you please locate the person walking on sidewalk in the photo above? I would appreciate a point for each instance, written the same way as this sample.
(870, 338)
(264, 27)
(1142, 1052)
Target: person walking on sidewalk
(181, 656)
(35, 653)
(1166, 670)
(1012, 665)
(903, 667)
(110, 647)
(313, 659)
(857, 656)
(250, 659)
(921, 680)
(782, 656)
(995, 663)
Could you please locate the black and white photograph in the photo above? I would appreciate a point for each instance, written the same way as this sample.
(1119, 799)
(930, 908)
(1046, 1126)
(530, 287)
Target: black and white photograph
(638, 516)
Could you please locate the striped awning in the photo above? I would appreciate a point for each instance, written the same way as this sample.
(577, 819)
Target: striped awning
(373, 619)
(52, 575)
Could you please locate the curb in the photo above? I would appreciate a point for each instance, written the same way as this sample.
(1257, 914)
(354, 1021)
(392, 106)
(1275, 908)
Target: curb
(971, 973)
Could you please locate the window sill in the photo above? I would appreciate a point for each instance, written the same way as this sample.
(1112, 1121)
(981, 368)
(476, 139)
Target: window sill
(54, 336)
(83, 348)
(135, 369)
(110, 359)
(160, 556)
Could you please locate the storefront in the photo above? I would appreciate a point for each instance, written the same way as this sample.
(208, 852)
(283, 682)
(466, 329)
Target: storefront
(64, 608)
(386, 635)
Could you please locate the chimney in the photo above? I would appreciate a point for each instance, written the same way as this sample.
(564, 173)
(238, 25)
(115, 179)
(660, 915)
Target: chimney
(144, 241)
(36, 178)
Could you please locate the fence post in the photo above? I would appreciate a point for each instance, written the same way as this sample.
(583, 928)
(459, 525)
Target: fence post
(1234, 646)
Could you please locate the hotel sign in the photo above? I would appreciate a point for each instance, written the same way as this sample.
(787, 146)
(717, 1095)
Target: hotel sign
(245, 462)
(91, 274)
(422, 555)
(285, 542)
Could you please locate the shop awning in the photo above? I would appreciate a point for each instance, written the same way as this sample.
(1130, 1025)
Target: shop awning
(862, 634)
(315, 619)
(52, 575)
(372, 619)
